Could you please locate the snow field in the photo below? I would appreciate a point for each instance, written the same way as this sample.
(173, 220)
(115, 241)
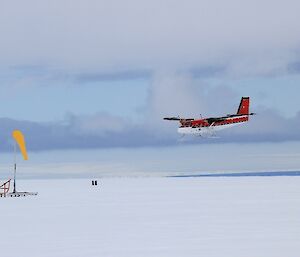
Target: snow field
(154, 217)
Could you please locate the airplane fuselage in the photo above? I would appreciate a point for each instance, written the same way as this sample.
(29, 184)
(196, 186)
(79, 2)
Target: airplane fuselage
(202, 127)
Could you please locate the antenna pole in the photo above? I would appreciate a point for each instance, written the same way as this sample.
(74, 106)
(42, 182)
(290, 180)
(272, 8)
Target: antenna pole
(15, 166)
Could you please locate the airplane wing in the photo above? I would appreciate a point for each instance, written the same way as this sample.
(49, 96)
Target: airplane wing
(172, 118)
(177, 118)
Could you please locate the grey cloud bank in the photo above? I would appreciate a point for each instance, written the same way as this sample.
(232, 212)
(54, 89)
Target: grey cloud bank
(168, 95)
(269, 127)
(248, 37)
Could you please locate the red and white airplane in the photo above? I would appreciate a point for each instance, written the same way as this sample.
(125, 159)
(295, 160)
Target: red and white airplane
(206, 127)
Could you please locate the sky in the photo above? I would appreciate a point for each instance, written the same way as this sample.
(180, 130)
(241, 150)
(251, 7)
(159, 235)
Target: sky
(97, 77)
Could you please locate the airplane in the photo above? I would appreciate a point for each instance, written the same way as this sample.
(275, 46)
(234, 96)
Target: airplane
(206, 127)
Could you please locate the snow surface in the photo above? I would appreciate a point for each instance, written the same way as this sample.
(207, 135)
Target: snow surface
(134, 217)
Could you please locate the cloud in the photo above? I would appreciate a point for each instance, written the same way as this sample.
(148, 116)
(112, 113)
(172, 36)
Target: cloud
(77, 132)
(111, 76)
(294, 67)
(269, 126)
(170, 94)
(174, 45)
(186, 96)
(79, 36)
(85, 134)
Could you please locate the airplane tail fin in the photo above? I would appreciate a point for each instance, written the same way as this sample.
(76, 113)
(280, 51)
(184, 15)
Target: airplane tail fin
(244, 106)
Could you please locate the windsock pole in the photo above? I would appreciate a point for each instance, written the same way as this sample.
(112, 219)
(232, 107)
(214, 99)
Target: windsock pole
(19, 141)
(15, 166)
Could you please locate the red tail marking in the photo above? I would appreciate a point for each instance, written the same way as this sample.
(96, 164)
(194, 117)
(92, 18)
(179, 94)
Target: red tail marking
(244, 106)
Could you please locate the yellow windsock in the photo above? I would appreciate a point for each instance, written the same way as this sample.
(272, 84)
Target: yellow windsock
(19, 137)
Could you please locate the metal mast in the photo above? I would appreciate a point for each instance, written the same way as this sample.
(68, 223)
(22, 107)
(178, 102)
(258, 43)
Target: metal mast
(15, 166)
